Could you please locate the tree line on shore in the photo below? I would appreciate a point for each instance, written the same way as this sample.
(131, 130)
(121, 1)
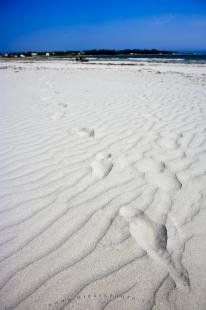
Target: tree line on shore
(94, 52)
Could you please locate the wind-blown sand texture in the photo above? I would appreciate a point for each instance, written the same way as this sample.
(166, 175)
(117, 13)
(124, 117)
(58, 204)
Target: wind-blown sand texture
(103, 183)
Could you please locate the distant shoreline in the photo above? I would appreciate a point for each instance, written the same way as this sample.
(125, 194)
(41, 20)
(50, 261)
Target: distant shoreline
(92, 52)
(115, 59)
(100, 53)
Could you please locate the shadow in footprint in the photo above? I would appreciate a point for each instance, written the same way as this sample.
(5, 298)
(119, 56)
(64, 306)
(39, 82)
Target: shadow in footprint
(102, 165)
(152, 238)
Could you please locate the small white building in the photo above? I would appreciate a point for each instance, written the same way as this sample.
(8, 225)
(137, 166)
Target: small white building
(47, 54)
(34, 54)
(22, 56)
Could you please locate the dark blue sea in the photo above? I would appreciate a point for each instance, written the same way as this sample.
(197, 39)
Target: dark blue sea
(190, 58)
(177, 58)
(173, 58)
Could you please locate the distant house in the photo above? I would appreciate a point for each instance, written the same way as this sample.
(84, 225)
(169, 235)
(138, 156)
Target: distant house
(22, 56)
(47, 54)
(34, 54)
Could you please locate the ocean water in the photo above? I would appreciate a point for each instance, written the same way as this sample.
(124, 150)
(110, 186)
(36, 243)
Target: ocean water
(176, 58)
(180, 58)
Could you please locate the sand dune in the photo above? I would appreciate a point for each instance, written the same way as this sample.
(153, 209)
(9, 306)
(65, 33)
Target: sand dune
(103, 178)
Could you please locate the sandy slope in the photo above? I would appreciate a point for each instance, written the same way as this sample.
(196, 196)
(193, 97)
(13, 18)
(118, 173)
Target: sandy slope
(79, 142)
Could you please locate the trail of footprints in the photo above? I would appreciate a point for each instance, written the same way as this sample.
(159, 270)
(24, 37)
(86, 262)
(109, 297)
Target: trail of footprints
(151, 236)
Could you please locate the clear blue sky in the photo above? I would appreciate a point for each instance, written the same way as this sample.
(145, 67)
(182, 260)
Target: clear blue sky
(79, 24)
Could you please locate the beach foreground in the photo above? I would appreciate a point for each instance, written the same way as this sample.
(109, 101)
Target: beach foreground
(79, 143)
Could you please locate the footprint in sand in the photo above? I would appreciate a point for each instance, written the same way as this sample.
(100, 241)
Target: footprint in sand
(83, 132)
(63, 105)
(166, 181)
(169, 141)
(102, 165)
(57, 115)
(152, 238)
(156, 175)
(150, 165)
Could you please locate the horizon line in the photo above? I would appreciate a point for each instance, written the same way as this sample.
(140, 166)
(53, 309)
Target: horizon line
(103, 49)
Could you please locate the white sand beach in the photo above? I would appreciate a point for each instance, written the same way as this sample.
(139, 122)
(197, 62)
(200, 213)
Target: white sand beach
(102, 186)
